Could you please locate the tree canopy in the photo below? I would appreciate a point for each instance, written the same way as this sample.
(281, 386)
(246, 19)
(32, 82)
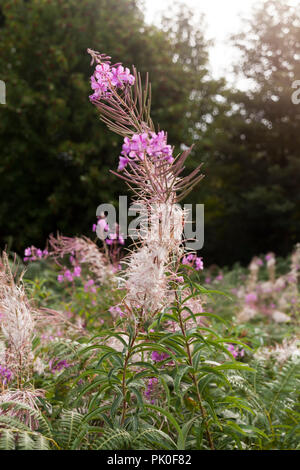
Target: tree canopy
(56, 154)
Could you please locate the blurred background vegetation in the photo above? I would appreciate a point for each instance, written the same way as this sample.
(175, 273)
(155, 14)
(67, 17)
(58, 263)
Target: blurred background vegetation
(56, 154)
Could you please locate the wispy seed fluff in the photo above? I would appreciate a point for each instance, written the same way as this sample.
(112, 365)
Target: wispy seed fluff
(17, 323)
(155, 177)
(86, 252)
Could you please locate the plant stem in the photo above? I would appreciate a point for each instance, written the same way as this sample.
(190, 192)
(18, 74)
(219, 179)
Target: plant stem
(194, 378)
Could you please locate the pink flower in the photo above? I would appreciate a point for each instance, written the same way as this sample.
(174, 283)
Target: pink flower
(116, 310)
(68, 275)
(103, 224)
(101, 227)
(198, 264)
(235, 351)
(77, 271)
(89, 286)
(269, 256)
(251, 298)
(32, 254)
(105, 77)
(193, 259)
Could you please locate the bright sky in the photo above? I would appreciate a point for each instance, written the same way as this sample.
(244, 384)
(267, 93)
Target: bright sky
(223, 18)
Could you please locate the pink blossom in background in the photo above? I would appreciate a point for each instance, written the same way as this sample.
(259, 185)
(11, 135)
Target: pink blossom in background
(102, 225)
(123, 161)
(6, 375)
(198, 264)
(194, 261)
(151, 389)
(89, 286)
(120, 76)
(56, 365)
(32, 253)
(106, 77)
(116, 310)
(77, 271)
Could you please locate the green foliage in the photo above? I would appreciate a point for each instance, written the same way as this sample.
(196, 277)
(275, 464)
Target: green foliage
(116, 394)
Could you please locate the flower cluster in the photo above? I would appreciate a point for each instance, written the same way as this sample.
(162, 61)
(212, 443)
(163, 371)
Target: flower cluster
(276, 297)
(103, 225)
(83, 252)
(193, 261)
(115, 237)
(157, 357)
(106, 77)
(89, 286)
(17, 320)
(152, 144)
(235, 351)
(280, 352)
(32, 254)
(116, 310)
(6, 375)
(56, 365)
(150, 170)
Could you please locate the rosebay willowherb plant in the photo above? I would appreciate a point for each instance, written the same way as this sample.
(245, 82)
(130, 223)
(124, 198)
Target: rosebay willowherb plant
(150, 368)
(156, 297)
(278, 297)
(154, 175)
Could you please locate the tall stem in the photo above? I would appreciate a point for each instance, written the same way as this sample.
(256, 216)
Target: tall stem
(194, 378)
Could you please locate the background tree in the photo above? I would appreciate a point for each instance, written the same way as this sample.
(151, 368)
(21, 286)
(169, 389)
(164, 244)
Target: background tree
(252, 196)
(55, 154)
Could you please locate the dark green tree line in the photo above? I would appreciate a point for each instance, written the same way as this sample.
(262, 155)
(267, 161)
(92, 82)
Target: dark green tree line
(55, 154)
